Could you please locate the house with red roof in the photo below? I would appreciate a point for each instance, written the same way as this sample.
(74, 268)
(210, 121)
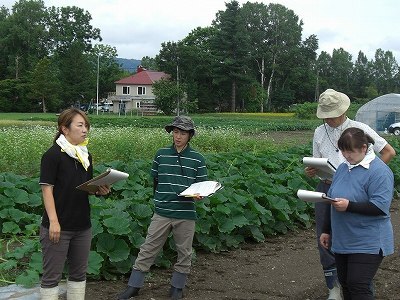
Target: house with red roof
(135, 93)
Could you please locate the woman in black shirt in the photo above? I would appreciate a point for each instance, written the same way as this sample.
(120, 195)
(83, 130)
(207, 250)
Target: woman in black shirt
(65, 232)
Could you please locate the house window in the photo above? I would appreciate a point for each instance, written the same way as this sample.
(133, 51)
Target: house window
(137, 104)
(126, 90)
(141, 90)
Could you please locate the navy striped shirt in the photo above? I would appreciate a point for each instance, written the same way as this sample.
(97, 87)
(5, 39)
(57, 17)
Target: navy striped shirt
(175, 172)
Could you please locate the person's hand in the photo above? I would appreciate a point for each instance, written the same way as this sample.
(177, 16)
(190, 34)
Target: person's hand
(54, 231)
(325, 240)
(340, 204)
(310, 172)
(103, 190)
(197, 197)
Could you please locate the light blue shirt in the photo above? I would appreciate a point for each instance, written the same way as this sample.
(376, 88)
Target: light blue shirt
(358, 233)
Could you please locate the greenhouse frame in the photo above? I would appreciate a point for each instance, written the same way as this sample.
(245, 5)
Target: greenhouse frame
(380, 112)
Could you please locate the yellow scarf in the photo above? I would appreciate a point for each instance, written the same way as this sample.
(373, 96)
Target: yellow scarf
(78, 152)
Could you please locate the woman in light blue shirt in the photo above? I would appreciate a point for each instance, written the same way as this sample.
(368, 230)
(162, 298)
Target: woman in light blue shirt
(359, 229)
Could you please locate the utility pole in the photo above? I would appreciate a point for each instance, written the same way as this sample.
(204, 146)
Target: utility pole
(177, 85)
(97, 94)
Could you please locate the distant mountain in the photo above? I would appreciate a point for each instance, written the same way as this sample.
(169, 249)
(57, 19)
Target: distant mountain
(129, 65)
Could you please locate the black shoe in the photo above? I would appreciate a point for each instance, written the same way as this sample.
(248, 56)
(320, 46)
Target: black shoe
(129, 293)
(175, 293)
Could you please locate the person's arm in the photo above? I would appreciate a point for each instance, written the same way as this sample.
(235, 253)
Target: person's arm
(364, 208)
(326, 225)
(387, 153)
(49, 204)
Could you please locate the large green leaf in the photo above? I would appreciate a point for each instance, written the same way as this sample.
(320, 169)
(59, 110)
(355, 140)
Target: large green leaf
(142, 210)
(115, 249)
(8, 265)
(117, 225)
(10, 227)
(17, 195)
(95, 263)
(226, 225)
(97, 228)
(29, 278)
(257, 234)
(36, 262)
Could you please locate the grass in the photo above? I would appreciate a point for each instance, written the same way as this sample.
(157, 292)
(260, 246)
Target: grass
(25, 137)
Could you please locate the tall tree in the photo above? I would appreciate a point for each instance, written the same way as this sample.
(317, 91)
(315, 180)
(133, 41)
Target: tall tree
(103, 60)
(26, 37)
(45, 86)
(361, 76)
(385, 69)
(256, 19)
(70, 25)
(71, 38)
(197, 68)
(168, 58)
(230, 47)
(275, 35)
(284, 46)
(149, 63)
(323, 72)
(302, 77)
(76, 75)
(341, 66)
(4, 48)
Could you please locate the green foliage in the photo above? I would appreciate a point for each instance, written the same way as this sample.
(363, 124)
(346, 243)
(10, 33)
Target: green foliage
(255, 202)
(260, 180)
(167, 93)
(124, 139)
(306, 110)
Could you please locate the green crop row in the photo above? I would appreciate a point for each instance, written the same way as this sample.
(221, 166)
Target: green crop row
(258, 200)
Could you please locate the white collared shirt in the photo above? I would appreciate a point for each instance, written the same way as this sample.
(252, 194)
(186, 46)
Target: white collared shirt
(326, 138)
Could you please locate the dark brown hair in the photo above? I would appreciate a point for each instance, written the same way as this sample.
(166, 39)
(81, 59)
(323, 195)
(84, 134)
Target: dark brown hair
(66, 117)
(354, 138)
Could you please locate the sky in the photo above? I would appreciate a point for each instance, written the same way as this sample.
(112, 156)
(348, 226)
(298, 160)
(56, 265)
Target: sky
(137, 28)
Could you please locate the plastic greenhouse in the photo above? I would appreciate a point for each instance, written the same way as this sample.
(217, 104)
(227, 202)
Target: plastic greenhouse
(380, 112)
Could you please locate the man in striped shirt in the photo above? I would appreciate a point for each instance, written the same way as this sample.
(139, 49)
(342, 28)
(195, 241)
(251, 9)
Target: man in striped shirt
(174, 169)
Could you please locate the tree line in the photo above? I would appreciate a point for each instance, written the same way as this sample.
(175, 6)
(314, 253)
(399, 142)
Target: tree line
(251, 58)
(48, 60)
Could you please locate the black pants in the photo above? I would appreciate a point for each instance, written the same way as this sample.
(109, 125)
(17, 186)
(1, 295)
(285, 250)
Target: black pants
(355, 274)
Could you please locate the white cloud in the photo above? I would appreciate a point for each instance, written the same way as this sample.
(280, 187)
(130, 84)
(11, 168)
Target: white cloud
(137, 28)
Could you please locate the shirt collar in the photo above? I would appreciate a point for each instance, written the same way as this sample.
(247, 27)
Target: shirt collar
(370, 156)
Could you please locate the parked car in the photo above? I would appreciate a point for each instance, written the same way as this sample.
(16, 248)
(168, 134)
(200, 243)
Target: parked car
(394, 128)
(107, 107)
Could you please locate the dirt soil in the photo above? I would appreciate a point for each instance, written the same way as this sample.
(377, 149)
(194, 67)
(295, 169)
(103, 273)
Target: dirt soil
(282, 267)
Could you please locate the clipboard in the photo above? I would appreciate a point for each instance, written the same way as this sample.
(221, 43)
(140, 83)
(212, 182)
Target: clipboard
(203, 189)
(107, 178)
(311, 196)
(325, 169)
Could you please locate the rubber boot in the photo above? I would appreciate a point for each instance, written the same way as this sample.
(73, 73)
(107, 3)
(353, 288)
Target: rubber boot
(178, 282)
(136, 281)
(335, 292)
(76, 290)
(49, 293)
(129, 293)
